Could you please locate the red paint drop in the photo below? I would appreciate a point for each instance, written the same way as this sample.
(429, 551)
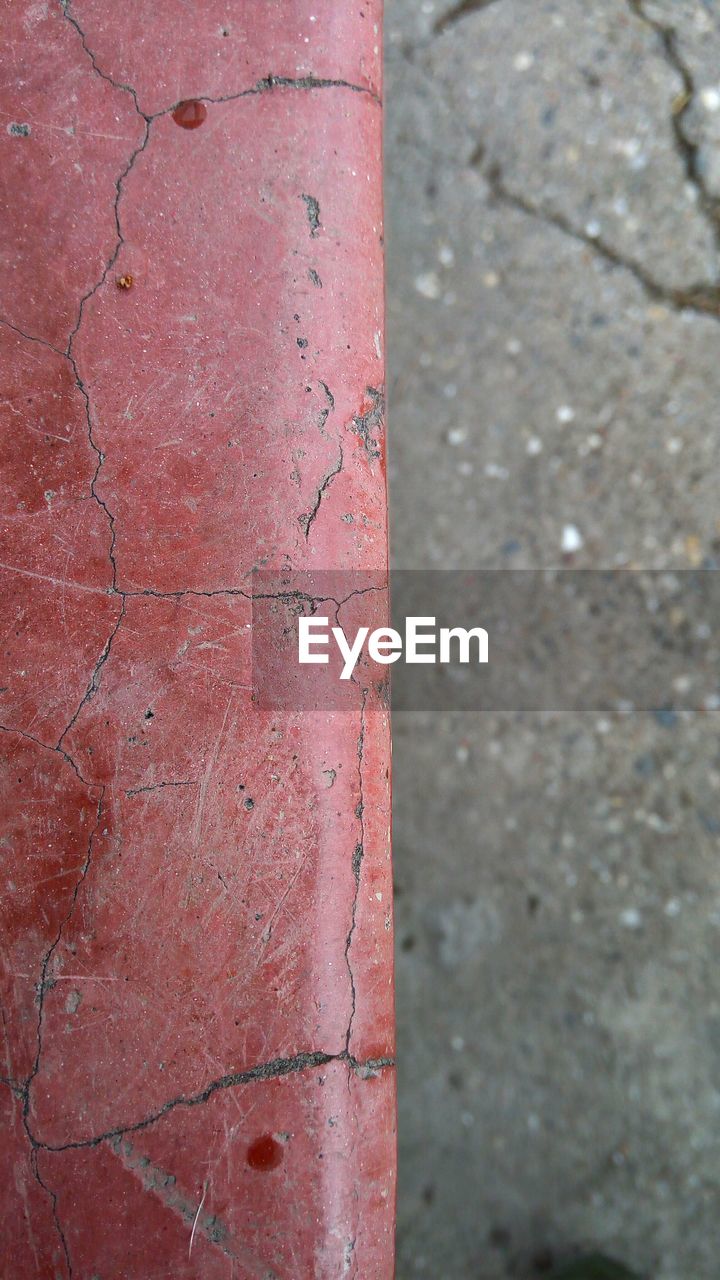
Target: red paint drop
(190, 114)
(265, 1153)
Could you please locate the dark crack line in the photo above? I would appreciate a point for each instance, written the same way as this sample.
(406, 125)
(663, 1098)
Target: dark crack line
(95, 678)
(70, 355)
(306, 521)
(357, 861)
(46, 746)
(272, 1070)
(699, 299)
(459, 11)
(160, 786)
(42, 986)
(52, 1195)
(126, 88)
(30, 337)
(100, 456)
(270, 82)
(688, 150)
(303, 597)
(264, 85)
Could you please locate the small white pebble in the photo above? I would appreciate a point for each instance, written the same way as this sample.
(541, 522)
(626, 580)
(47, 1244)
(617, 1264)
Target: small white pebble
(572, 539)
(494, 472)
(428, 285)
(457, 1044)
(565, 413)
(456, 435)
(592, 229)
(673, 907)
(446, 255)
(630, 918)
(710, 99)
(673, 445)
(523, 61)
(534, 446)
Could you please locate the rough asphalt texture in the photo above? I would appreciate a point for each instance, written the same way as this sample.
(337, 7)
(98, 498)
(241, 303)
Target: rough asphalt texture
(553, 201)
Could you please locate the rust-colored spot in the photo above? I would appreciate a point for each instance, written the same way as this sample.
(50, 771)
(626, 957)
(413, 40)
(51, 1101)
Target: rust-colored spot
(190, 114)
(265, 1153)
(124, 282)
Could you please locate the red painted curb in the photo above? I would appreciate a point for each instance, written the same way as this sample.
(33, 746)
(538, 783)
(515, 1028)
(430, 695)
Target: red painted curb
(196, 962)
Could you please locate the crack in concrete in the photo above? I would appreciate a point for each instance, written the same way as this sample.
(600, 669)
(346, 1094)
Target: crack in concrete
(267, 83)
(70, 356)
(459, 11)
(306, 521)
(31, 337)
(688, 150)
(94, 684)
(700, 299)
(54, 1206)
(357, 860)
(272, 1070)
(44, 984)
(270, 82)
(303, 597)
(47, 746)
(160, 786)
(126, 88)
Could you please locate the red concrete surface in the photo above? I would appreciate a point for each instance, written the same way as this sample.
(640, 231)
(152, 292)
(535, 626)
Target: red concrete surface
(196, 917)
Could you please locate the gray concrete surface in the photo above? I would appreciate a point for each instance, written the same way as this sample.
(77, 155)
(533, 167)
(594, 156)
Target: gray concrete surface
(553, 173)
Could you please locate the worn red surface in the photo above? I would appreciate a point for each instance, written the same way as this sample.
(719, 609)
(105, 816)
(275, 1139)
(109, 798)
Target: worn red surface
(196, 915)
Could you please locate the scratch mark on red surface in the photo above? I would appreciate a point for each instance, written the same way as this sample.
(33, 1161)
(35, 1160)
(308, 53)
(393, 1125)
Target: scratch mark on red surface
(163, 1186)
(205, 782)
(55, 582)
(197, 1215)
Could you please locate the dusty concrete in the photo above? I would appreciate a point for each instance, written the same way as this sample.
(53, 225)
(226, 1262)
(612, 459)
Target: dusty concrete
(553, 171)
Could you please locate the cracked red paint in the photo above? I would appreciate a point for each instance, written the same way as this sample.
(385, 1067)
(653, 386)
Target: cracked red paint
(196, 928)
